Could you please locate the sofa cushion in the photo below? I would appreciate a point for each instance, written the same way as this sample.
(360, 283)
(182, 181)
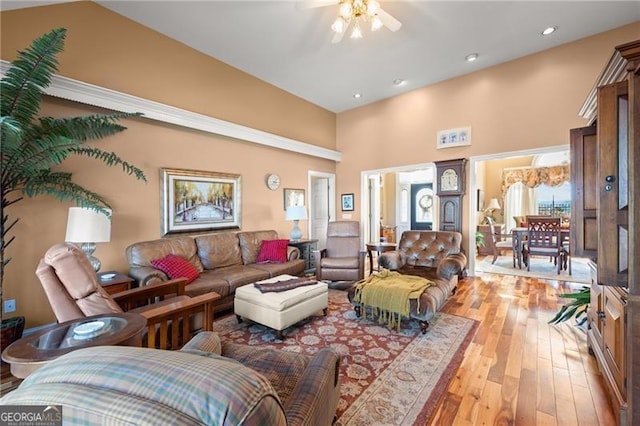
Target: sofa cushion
(206, 283)
(250, 243)
(292, 267)
(176, 267)
(219, 250)
(237, 276)
(273, 251)
(142, 253)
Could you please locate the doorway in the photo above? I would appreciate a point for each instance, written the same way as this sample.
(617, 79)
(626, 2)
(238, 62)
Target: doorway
(486, 175)
(322, 207)
(387, 199)
(422, 206)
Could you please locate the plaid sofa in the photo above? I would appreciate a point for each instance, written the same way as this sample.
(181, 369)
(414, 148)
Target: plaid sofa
(195, 386)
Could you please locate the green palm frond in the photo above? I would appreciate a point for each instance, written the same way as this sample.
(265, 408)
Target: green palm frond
(10, 133)
(111, 159)
(60, 186)
(577, 307)
(30, 73)
(83, 128)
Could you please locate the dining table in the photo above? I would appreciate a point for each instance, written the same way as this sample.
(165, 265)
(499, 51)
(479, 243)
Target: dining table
(519, 236)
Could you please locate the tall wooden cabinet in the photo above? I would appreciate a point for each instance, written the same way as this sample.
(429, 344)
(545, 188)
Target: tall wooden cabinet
(605, 224)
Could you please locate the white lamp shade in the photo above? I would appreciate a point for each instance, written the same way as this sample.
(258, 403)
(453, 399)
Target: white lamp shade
(296, 213)
(493, 204)
(87, 226)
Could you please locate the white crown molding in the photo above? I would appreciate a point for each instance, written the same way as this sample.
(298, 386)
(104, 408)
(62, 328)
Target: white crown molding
(613, 72)
(86, 93)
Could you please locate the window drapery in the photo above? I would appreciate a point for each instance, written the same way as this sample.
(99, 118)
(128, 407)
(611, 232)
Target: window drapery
(533, 177)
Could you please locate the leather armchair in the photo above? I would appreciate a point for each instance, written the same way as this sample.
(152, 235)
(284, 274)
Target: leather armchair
(342, 259)
(74, 292)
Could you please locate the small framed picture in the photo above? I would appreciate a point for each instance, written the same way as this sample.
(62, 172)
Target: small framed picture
(454, 137)
(347, 202)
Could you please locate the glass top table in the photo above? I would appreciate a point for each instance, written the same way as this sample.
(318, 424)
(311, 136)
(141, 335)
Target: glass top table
(31, 352)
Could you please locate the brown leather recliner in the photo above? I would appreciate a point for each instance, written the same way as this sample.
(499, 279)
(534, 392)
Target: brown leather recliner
(74, 292)
(434, 255)
(342, 259)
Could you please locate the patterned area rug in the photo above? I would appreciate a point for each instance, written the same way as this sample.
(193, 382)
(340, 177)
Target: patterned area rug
(387, 377)
(540, 268)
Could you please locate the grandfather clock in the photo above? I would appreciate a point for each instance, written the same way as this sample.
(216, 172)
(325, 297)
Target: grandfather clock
(450, 189)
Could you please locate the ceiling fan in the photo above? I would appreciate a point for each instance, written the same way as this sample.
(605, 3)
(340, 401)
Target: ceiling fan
(355, 13)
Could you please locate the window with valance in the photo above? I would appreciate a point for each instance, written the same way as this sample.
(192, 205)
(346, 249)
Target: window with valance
(533, 177)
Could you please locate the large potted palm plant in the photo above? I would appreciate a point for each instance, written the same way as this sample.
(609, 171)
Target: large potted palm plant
(32, 146)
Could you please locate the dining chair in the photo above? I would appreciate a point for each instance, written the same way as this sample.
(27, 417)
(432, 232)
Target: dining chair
(543, 239)
(498, 243)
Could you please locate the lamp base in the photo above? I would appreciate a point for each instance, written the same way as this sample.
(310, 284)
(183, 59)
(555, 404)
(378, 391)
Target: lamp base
(296, 232)
(88, 249)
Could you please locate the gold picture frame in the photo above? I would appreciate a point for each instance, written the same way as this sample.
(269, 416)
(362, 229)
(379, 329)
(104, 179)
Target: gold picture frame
(196, 201)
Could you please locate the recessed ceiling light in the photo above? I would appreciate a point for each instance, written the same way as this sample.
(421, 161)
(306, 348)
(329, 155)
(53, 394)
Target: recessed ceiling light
(471, 57)
(357, 95)
(399, 82)
(548, 31)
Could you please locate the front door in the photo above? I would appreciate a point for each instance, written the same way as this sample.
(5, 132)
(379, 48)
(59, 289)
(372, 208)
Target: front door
(422, 206)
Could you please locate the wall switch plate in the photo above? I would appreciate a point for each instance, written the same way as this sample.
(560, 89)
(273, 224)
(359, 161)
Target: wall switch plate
(10, 305)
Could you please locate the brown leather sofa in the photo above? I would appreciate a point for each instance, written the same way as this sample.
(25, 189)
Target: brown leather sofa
(225, 261)
(434, 255)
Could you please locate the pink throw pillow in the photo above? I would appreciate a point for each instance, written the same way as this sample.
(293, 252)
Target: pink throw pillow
(273, 251)
(176, 267)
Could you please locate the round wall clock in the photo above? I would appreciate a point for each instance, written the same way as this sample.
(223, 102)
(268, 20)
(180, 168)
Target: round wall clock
(273, 181)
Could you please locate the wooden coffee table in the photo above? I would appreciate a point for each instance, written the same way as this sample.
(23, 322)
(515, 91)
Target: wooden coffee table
(28, 354)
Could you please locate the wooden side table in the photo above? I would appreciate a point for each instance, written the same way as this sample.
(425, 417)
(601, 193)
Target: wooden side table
(28, 354)
(306, 248)
(379, 248)
(116, 284)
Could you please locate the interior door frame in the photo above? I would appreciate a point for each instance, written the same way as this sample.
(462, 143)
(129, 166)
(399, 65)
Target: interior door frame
(472, 191)
(311, 174)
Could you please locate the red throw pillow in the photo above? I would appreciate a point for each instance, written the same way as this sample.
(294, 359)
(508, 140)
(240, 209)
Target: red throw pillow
(273, 251)
(176, 267)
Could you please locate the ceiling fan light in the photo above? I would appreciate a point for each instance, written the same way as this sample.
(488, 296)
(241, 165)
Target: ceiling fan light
(338, 25)
(356, 33)
(345, 10)
(372, 7)
(376, 23)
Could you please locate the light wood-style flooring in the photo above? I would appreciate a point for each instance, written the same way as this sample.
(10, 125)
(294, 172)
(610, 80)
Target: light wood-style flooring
(519, 369)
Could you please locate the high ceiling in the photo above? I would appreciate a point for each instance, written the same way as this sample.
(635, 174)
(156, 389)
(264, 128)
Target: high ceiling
(290, 47)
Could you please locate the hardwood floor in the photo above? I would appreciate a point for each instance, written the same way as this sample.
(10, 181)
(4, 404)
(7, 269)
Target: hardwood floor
(519, 369)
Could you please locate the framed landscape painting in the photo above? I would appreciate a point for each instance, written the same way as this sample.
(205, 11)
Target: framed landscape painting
(194, 201)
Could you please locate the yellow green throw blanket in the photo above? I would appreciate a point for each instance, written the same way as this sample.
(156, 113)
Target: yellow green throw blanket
(388, 293)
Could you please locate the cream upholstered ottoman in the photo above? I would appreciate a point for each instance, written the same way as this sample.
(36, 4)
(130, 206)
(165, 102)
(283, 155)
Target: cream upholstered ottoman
(281, 309)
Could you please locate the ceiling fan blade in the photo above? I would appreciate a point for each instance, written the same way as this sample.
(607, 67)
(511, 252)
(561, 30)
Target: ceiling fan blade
(312, 4)
(389, 21)
(337, 37)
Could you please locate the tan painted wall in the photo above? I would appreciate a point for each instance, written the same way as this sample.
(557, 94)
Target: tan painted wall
(526, 103)
(109, 50)
(105, 49)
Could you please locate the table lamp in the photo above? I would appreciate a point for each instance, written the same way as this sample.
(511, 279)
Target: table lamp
(88, 227)
(296, 213)
(492, 207)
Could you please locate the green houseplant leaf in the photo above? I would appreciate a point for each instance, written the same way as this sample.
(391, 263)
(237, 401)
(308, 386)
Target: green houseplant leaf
(577, 307)
(32, 145)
